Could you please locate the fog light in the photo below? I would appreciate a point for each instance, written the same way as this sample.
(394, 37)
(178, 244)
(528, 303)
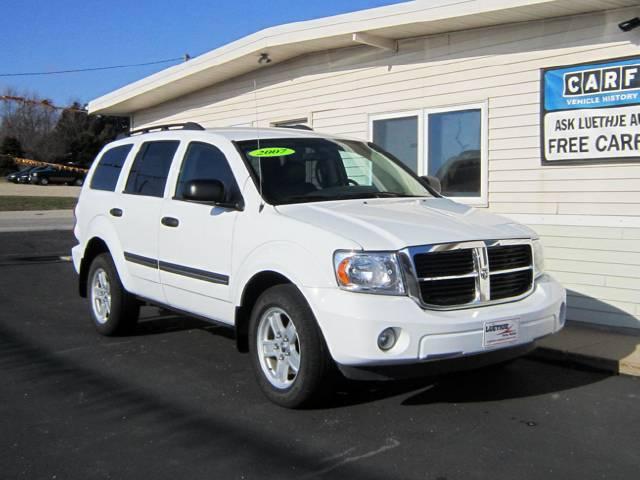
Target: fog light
(563, 314)
(387, 339)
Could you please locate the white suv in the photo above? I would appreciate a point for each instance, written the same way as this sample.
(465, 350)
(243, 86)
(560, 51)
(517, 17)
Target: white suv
(320, 252)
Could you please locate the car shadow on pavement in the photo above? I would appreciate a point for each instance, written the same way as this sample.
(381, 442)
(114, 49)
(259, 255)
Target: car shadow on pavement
(522, 378)
(155, 321)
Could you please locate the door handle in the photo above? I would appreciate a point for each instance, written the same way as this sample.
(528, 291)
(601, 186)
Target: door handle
(170, 222)
(116, 212)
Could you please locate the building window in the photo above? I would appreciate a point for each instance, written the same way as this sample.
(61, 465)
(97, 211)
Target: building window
(456, 152)
(398, 134)
(449, 143)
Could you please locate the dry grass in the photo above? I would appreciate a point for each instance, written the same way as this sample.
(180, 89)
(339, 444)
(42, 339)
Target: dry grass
(21, 203)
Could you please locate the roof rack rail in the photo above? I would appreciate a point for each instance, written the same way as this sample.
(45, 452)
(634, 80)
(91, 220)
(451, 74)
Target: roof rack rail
(297, 127)
(170, 126)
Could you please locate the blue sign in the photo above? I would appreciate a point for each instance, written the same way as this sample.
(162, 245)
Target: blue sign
(591, 112)
(599, 85)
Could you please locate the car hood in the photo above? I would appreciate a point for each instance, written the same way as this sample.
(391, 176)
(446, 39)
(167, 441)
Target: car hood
(392, 224)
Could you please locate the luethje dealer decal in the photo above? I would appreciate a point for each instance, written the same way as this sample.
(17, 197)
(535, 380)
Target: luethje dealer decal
(591, 112)
(272, 152)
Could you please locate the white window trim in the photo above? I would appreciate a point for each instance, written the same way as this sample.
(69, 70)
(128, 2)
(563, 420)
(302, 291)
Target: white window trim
(482, 200)
(423, 143)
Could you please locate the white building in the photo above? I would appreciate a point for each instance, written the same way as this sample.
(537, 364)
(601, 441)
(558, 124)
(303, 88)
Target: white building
(455, 88)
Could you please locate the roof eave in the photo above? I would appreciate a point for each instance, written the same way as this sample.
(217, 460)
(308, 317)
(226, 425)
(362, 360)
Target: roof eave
(287, 41)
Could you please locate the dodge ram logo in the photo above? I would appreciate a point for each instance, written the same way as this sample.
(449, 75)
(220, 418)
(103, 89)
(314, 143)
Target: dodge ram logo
(484, 273)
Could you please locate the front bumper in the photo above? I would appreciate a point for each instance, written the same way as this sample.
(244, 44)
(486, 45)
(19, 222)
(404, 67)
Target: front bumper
(435, 367)
(351, 323)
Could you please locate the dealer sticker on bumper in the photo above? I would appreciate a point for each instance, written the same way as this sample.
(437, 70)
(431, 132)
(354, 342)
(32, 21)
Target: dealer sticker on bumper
(499, 332)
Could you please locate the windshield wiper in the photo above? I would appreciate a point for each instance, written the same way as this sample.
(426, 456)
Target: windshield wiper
(393, 195)
(347, 196)
(310, 198)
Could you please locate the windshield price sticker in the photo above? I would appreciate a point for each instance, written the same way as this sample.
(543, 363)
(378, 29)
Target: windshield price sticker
(272, 152)
(592, 112)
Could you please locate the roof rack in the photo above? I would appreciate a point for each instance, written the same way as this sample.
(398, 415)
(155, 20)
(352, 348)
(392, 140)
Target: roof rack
(297, 127)
(163, 128)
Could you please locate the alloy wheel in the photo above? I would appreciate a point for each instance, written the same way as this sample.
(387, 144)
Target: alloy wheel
(278, 347)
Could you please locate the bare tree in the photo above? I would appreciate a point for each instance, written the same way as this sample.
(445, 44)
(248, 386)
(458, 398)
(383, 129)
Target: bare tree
(31, 121)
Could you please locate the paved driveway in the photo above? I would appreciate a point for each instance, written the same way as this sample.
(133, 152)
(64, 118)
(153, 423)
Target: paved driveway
(176, 401)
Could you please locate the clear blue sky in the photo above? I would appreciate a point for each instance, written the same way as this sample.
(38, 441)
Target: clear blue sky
(41, 35)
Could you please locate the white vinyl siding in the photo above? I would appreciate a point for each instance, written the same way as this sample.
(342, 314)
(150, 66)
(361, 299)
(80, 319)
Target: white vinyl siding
(599, 267)
(588, 216)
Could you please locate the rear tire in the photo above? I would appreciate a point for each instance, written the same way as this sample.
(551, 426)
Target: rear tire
(288, 352)
(114, 310)
(78, 182)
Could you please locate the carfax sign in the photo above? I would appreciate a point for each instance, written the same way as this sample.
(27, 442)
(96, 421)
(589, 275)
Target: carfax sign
(591, 112)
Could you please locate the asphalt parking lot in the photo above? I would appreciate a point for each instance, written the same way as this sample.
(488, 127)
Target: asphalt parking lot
(175, 400)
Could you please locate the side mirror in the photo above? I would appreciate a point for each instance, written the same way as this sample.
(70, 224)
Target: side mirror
(206, 191)
(432, 182)
(211, 192)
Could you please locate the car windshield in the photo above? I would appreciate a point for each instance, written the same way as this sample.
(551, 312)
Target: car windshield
(299, 170)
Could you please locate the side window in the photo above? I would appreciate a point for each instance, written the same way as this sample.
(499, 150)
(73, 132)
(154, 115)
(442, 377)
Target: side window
(108, 170)
(204, 161)
(148, 174)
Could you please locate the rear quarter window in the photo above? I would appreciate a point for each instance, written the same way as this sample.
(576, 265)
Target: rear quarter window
(109, 166)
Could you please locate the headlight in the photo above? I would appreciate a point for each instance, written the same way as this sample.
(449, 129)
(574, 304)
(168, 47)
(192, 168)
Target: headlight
(34, 174)
(377, 272)
(538, 258)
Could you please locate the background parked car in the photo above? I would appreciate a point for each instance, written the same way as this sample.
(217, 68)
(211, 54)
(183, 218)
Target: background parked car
(24, 176)
(13, 176)
(47, 175)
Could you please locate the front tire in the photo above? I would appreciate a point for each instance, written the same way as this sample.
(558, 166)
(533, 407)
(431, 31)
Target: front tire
(44, 181)
(288, 352)
(114, 310)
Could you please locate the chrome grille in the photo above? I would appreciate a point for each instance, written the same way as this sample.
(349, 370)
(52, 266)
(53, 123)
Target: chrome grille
(511, 284)
(454, 291)
(471, 273)
(509, 256)
(454, 262)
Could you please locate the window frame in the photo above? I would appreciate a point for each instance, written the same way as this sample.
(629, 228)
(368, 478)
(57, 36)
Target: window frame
(423, 142)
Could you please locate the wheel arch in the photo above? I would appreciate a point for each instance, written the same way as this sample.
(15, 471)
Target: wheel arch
(255, 287)
(95, 247)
